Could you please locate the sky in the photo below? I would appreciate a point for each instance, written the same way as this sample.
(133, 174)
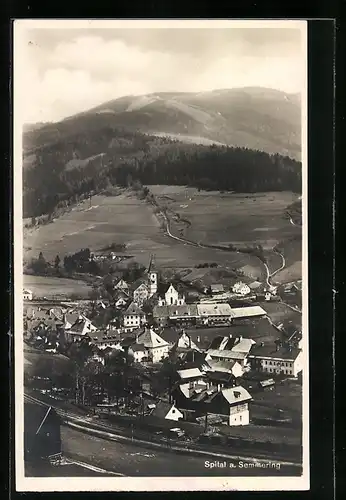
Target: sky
(68, 70)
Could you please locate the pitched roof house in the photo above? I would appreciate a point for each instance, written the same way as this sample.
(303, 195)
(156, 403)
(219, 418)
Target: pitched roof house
(133, 317)
(278, 359)
(158, 348)
(230, 403)
(121, 285)
(81, 328)
(176, 313)
(166, 411)
(230, 348)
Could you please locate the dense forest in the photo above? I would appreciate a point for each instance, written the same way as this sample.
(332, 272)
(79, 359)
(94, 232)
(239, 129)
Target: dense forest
(59, 173)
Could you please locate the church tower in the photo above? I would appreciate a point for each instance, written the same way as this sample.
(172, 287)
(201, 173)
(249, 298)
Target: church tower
(152, 277)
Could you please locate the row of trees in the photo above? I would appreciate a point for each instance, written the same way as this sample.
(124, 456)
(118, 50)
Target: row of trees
(83, 262)
(54, 181)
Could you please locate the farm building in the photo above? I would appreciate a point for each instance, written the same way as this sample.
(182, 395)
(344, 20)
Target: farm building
(281, 360)
(41, 432)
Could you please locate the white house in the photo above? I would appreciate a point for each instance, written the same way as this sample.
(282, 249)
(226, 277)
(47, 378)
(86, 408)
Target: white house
(241, 288)
(133, 317)
(156, 346)
(238, 399)
(172, 297)
(122, 285)
(139, 352)
(27, 294)
(281, 360)
(167, 411)
(141, 294)
(82, 327)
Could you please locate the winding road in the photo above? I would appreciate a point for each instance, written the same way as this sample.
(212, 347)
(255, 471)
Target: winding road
(201, 245)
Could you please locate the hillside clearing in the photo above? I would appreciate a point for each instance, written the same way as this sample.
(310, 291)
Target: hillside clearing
(46, 286)
(121, 219)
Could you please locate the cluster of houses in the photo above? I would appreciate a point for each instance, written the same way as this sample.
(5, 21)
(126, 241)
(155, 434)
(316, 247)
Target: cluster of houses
(151, 325)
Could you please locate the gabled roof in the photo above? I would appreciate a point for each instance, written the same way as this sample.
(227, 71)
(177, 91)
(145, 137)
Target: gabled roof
(142, 285)
(134, 309)
(270, 351)
(121, 294)
(150, 339)
(190, 373)
(185, 342)
(221, 366)
(162, 409)
(227, 354)
(219, 376)
(217, 287)
(81, 324)
(220, 309)
(152, 265)
(121, 284)
(248, 312)
(236, 344)
(138, 348)
(186, 310)
(236, 395)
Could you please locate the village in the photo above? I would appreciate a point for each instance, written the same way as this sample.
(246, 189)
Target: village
(160, 353)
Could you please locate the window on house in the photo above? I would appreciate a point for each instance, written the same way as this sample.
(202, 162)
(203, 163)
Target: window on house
(270, 362)
(240, 418)
(173, 411)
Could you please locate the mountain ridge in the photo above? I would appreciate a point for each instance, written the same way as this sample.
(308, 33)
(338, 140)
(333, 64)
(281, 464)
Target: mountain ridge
(258, 118)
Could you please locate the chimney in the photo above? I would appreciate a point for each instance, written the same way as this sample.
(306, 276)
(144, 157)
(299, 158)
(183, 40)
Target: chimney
(262, 344)
(240, 337)
(198, 338)
(230, 335)
(218, 387)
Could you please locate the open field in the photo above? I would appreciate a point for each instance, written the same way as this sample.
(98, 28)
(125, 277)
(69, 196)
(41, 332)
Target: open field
(277, 312)
(53, 362)
(122, 219)
(47, 286)
(238, 218)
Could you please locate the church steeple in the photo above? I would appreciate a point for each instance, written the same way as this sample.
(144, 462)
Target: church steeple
(152, 276)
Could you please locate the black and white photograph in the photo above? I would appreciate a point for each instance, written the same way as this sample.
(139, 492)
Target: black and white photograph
(161, 294)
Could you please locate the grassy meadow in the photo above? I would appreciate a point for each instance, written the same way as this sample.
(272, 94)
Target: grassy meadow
(47, 286)
(206, 217)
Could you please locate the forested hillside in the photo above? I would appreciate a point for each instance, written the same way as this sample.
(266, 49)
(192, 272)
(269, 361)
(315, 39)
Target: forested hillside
(57, 173)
